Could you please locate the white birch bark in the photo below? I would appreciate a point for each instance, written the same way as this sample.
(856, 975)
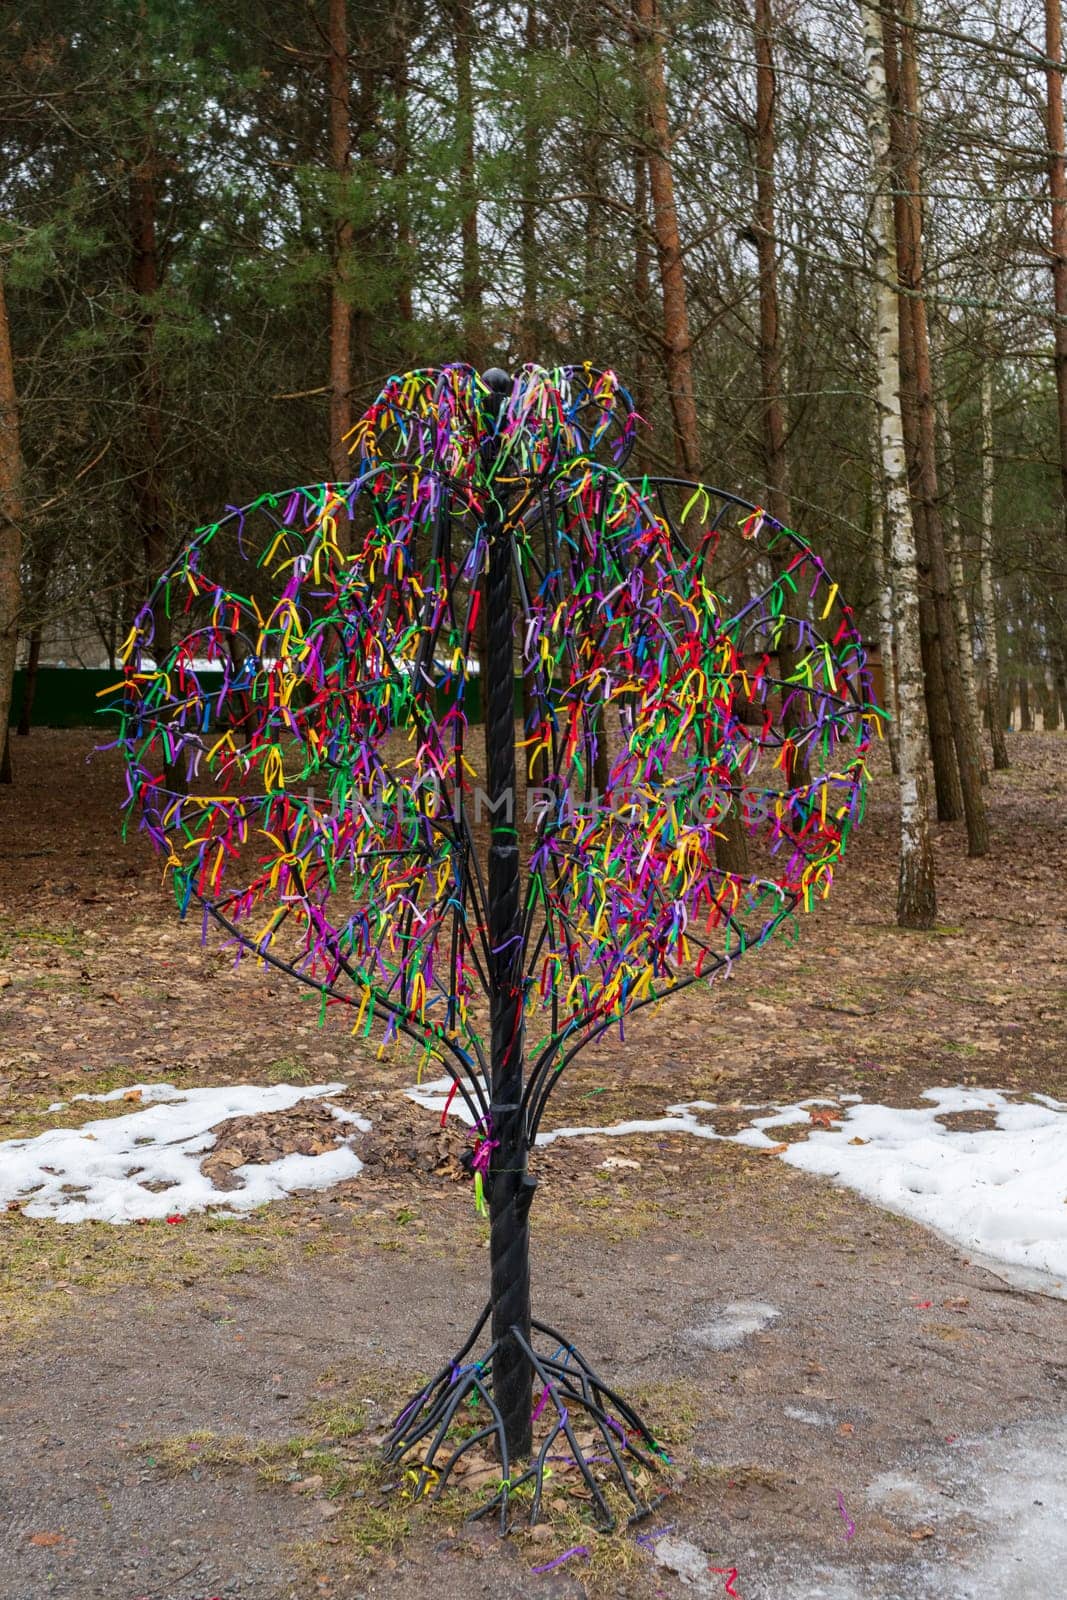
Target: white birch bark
(916, 894)
(886, 647)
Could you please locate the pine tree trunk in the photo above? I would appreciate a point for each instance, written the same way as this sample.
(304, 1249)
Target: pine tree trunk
(592, 162)
(1057, 176)
(1026, 716)
(990, 658)
(772, 410)
(947, 791)
(149, 516)
(406, 249)
(147, 477)
(529, 342)
(42, 570)
(29, 682)
(902, 78)
(340, 140)
(1057, 173)
(770, 346)
(946, 471)
(731, 848)
(916, 894)
(11, 513)
(592, 233)
(1046, 698)
(474, 345)
(470, 290)
(1058, 662)
(649, 36)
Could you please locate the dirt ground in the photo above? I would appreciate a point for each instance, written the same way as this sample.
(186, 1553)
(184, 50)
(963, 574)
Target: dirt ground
(190, 1411)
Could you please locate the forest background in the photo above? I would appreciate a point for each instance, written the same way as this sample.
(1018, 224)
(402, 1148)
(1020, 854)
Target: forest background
(824, 242)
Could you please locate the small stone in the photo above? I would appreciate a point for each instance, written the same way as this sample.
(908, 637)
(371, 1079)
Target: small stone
(679, 1556)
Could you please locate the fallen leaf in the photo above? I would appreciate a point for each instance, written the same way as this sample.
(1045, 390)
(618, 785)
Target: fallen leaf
(482, 1477)
(228, 1157)
(46, 1540)
(823, 1116)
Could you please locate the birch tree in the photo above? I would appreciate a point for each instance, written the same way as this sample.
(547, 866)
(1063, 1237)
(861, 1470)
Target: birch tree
(901, 73)
(916, 891)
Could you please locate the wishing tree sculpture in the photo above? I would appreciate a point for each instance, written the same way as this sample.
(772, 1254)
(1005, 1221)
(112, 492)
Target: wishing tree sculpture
(323, 808)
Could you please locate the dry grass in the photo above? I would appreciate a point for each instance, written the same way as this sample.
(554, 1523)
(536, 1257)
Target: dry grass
(46, 1267)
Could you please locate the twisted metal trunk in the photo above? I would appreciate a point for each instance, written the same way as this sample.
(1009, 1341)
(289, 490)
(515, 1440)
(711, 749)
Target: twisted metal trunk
(510, 1188)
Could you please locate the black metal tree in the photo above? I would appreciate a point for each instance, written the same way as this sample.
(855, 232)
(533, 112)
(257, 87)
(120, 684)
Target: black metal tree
(319, 698)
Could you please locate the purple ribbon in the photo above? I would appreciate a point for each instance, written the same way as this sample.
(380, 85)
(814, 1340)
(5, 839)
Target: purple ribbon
(575, 1550)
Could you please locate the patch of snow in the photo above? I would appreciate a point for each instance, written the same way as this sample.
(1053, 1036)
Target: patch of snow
(100, 1170)
(144, 1093)
(433, 1096)
(814, 1419)
(899, 1496)
(997, 1191)
(1007, 1488)
(339, 1114)
(733, 1324)
(679, 1119)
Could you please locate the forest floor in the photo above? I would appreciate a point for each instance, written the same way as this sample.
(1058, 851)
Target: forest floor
(189, 1410)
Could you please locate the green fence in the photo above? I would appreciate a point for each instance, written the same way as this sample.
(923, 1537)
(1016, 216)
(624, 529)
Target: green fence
(65, 697)
(69, 697)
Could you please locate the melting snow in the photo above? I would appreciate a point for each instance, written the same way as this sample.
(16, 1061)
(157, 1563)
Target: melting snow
(733, 1324)
(100, 1170)
(814, 1419)
(1008, 1485)
(999, 1192)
